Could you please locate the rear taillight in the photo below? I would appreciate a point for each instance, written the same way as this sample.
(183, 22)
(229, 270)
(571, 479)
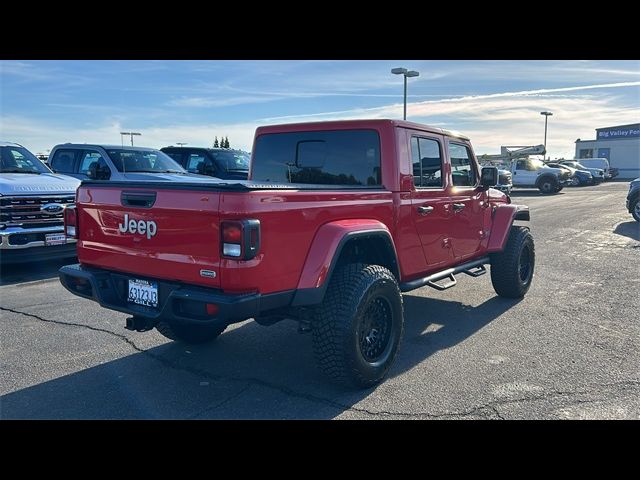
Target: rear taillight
(240, 239)
(71, 222)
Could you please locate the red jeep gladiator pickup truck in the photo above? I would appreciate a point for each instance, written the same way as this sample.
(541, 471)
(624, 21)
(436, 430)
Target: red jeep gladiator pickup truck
(335, 221)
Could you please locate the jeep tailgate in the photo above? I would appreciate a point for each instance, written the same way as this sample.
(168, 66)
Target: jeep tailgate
(180, 236)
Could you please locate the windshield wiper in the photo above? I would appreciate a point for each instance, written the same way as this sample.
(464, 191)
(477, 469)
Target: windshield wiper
(20, 171)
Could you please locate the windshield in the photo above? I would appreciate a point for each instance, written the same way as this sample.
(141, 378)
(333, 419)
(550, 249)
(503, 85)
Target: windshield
(20, 160)
(153, 161)
(232, 161)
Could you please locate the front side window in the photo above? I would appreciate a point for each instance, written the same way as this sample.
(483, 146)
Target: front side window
(463, 173)
(152, 161)
(331, 157)
(427, 162)
(20, 160)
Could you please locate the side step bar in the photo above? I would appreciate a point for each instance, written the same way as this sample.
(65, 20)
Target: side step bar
(475, 268)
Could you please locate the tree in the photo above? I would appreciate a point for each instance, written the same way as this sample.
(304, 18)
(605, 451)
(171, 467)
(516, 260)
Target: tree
(226, 142)
(215, 143)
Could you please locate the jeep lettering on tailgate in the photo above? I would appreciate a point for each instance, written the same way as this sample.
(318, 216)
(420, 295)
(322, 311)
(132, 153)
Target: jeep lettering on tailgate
(138, 226)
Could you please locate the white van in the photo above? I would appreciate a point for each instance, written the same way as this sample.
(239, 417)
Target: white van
(601, 163)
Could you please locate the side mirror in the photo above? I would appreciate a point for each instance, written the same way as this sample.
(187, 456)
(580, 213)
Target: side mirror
(489, 177)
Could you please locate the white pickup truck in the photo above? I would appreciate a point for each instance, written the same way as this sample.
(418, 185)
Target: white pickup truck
(32, 203)
(534, 173)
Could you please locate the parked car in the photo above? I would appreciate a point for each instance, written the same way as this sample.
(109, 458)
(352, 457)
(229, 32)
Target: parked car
(114, 162)
(329, 230)
(601, 163)
(215, 162)
(613, 172)
(633, 199)
(529, 172)
(578, 177)
(597, 173)
(32, 202)
(505, 182)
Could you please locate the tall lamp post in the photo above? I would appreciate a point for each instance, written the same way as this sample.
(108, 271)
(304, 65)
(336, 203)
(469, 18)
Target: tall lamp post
(181, 144)
(406, 73)
(546, 117)
(131, 134)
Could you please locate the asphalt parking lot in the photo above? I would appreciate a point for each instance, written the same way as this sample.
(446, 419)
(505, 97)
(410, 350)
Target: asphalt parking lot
(569, 350)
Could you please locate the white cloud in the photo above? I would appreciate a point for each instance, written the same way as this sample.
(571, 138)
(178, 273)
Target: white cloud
(39, 136)
(491, 120)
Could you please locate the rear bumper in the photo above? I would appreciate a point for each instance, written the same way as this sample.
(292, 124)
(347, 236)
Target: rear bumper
(176, 301)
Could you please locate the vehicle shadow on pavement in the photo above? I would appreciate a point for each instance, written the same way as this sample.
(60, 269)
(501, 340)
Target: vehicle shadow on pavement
(532, 192)
(629, 229)
(247, 373)
(432, 325)
(32, 271)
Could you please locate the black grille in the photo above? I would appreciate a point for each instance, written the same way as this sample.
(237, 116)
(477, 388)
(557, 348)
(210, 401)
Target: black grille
(25, 211)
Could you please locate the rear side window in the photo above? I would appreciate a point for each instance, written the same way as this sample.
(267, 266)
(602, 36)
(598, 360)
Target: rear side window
(427, 162)
(195, 164)
(63, 161)
(337, 157)
(463, 173)
(177, 156)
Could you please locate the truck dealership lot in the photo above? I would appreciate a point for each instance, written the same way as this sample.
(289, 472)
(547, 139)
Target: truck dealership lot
(569, 349)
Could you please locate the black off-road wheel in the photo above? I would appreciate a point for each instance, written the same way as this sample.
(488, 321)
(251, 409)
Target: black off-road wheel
(190, 334)
(548, 184)
(358, 327)
(512, 269)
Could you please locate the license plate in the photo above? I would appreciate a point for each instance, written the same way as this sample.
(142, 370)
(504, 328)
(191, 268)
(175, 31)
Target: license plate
(142, 292)
(55, 239)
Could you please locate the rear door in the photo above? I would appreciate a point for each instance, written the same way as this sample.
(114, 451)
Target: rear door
(467, 200)
(430, 200)
(167, 233)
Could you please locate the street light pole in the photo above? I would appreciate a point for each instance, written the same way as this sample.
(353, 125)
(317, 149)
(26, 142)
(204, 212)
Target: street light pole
(131, 134)
(406, 73)
(546, 117)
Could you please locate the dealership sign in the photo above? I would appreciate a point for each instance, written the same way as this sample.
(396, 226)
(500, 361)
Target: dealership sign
(615, 133)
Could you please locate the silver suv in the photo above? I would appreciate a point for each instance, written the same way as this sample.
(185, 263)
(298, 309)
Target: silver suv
(115, 162)
(32, 203)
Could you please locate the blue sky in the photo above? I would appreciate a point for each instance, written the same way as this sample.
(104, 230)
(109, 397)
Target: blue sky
(494, 102)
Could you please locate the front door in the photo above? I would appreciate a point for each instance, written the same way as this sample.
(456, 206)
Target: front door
(467, 202)
(430, 202)
(524, 173)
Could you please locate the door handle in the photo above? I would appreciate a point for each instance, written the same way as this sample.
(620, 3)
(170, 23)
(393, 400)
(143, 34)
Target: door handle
(425, 210)
(458, 206)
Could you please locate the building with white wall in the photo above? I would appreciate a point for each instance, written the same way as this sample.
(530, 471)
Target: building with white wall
(619, 144)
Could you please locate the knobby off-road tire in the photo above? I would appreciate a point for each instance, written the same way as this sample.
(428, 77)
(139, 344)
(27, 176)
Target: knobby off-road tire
(358, 327)
(190, 334)
(512, 269)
